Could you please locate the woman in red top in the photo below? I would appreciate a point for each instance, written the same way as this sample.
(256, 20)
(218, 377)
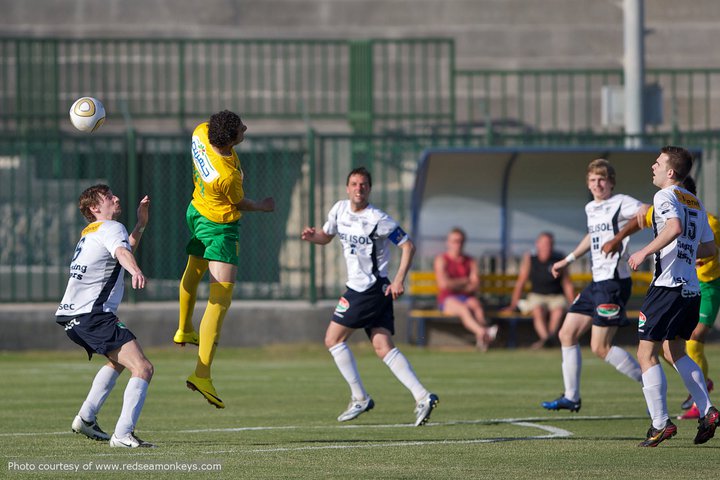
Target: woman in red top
(458, 280)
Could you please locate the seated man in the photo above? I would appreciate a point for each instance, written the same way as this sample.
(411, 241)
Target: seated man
(458, 280)
(549, 296)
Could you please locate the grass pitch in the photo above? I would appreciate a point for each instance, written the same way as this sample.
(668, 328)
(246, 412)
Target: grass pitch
(280, 421)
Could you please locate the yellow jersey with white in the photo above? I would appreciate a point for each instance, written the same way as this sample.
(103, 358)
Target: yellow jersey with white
(708, 268)
(218, 180)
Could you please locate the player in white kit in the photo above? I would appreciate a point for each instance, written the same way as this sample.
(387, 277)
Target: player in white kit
(88, 312)
(365, 233)
(601, 305)
(671, 309)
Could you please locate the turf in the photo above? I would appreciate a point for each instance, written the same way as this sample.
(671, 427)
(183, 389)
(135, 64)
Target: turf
(282, 403)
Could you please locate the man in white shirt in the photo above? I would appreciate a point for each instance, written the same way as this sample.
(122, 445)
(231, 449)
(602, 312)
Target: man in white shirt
(365, 234)
(671, 308)
(88, 312)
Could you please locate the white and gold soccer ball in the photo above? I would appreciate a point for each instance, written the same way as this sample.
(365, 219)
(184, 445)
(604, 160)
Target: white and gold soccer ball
(87, 114)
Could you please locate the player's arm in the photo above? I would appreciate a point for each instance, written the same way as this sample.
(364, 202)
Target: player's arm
(706, 249)
(143, 215)
(316, 235)
(128, 262)
(522, 278)
(670, 232)
(614, 245)
(265, 205)
(397, 287)
(582, 248)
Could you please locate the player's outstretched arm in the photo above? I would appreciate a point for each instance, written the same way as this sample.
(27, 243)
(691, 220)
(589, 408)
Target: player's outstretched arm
(315, 235)
(670, 232)
(143, 216)
(265, 205)
(128, 262)
(581, 249)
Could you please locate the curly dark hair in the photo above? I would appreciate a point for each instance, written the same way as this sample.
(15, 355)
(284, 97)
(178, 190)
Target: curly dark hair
(223, 128)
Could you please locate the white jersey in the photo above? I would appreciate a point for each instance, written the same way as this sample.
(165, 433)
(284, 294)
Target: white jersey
(96, 276)
(675, 264)
(606, 218)
(365, 237)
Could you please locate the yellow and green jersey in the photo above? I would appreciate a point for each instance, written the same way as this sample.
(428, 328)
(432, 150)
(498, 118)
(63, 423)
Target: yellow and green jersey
(218, 180)
(708, 268)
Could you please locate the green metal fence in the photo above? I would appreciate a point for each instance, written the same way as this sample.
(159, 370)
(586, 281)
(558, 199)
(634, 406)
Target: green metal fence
(546, 101)
(388, 81)
(41, 178)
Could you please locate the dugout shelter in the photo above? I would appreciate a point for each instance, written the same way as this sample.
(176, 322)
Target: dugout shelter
(503, 197)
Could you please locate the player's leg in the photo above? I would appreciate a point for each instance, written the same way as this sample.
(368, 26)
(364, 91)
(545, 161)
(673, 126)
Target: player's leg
(131, 356)
(85, 421)
(399, 365)
(573, 328)
(222, 282)
(194, 271)
(336, 336)
(601, 345)
(655, 392)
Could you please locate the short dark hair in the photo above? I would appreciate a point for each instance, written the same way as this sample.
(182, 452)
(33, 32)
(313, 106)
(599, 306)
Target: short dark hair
(679, 160)
(359, 171)
(223, 128)
(92, 197)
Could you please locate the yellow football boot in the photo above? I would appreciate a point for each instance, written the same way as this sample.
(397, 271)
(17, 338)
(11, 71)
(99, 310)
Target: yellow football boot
(206, 388)
(181, 338)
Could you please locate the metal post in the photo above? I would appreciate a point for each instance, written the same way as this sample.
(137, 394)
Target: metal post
(634, 65)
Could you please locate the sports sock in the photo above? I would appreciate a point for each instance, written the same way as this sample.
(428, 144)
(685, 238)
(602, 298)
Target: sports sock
(345, 361)
(624, 363)
(102, 385)
(571, 366)
(401, 368)
(655, 391)
(211, 324)
(696, 351)
(694, 381)
(133, 401)
(194, 272)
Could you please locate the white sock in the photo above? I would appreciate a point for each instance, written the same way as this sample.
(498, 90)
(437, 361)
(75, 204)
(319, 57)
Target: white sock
(345, 362)
(133, 401)
(102, 385)
(655, 391)
(571, 366)
(402, 369)
(624, 363)
(694, 380)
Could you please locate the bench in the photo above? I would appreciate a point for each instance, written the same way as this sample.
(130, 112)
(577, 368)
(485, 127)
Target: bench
(495, 293)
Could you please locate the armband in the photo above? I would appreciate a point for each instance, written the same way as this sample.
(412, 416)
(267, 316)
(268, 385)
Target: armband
(570, 258)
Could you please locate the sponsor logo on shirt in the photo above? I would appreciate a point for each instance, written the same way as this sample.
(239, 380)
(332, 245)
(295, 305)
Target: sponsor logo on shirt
(202, 163)
(688, 199)
(608, 310)
(641, 321)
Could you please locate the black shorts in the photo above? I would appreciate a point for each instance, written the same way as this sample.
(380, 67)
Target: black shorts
(605, 302)
(369, 309)
(667, 314)
(96, 332)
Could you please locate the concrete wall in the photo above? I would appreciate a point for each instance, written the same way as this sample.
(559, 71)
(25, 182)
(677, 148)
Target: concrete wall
(488, 33)
(32, 326)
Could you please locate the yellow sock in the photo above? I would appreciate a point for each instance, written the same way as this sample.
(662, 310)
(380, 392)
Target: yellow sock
(211, 324)
(194, 272)
(696, 351)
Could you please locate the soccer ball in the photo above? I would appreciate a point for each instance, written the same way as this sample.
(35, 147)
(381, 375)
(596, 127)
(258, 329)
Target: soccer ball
(87, 114)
